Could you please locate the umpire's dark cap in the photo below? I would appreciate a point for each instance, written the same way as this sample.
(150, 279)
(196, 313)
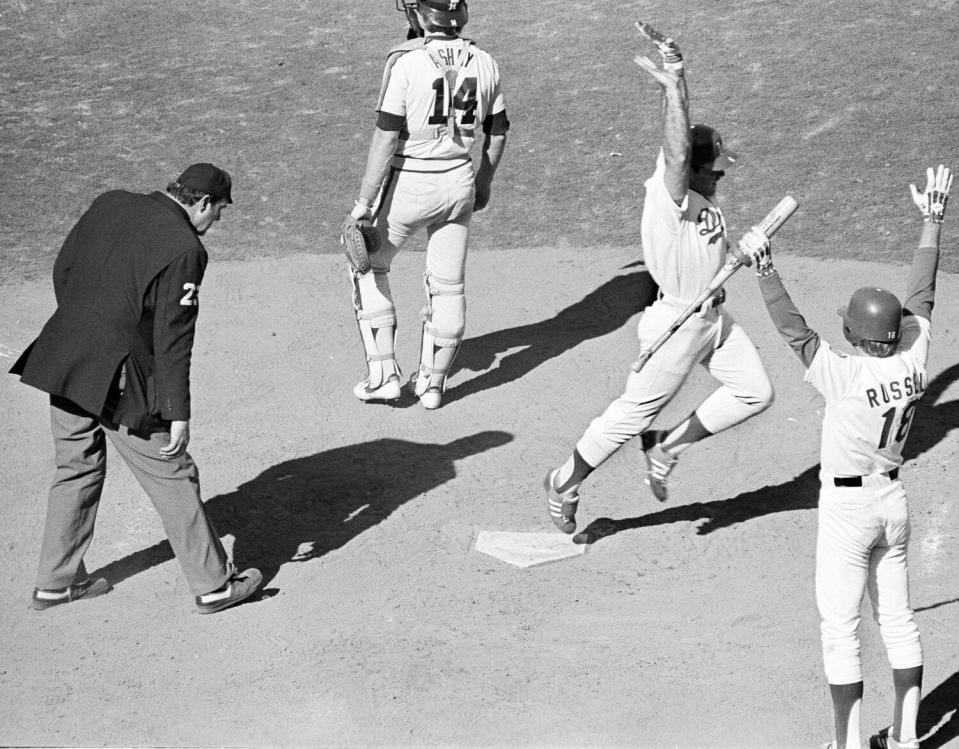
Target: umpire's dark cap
(207, 179)
(708, 149)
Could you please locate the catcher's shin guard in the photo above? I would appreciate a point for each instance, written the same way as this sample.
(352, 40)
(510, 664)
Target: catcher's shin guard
(378, 333)
(443, 326)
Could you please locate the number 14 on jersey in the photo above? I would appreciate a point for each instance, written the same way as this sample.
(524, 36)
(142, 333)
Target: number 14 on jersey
(464, 101)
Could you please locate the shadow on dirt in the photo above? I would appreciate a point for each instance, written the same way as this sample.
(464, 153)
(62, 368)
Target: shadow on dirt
(932, 606)
(931, 424)
(939, 712)
(933, 421)
(304, 508)
(801, 493)
(602, 311)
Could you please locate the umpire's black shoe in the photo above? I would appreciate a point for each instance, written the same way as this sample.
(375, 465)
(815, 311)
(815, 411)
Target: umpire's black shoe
(45, 598)
(238, 588)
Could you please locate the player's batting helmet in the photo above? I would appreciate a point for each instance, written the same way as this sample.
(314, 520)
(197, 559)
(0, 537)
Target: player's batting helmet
(708, 150)
(873, 314)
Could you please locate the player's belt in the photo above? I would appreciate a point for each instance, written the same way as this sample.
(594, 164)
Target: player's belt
(428, 166)
(435, 133)
(857, 480)
(714, 301)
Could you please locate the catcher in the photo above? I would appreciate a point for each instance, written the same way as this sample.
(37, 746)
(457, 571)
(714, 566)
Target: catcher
(438, 89)
(863, 534)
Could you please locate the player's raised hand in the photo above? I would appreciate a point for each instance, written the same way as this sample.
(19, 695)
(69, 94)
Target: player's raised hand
(932, 201)
(668, 48)
(664, 76)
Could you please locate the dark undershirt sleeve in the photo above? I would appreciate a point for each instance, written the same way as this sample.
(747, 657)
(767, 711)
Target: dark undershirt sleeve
(922, 283)
(789, 322)
(390, 122)
(496, 124)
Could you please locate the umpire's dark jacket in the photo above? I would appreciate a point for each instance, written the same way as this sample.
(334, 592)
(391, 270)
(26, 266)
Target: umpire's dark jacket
(126, 282)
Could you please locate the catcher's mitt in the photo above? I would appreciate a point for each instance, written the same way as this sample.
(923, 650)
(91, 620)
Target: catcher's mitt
(360, 239)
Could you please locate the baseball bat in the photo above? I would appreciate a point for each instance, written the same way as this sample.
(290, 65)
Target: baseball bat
(770, 224)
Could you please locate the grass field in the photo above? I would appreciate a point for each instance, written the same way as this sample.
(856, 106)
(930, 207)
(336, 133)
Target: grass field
(839, 104)
(687, 624)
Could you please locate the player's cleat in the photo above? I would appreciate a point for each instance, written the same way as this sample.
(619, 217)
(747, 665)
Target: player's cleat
(238, 588)
(659, 463)
(884, 740)
(562, 507)
(388, 391)
(429, 398)
(44, 598)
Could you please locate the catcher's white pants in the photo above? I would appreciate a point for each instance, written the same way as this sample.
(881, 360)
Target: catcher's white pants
(712, 339)
(442, 203)
(861, 545)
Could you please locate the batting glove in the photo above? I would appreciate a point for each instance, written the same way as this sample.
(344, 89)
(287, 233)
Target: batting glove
(755, 244)
(668, 48)
(932, 201)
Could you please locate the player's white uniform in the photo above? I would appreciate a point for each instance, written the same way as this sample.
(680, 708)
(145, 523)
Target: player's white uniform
(683, 246)
(431, 180)
(437, 92)
(863, 537)
(864, 530)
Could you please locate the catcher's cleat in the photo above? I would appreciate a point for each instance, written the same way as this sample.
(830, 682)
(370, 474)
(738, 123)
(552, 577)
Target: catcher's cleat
(90, 588)
(659, 463)
(388, 391)
(562, 507)
(429, 398)
(884, 740)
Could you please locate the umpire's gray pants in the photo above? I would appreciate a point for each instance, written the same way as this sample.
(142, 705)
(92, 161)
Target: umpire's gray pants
(172, 485)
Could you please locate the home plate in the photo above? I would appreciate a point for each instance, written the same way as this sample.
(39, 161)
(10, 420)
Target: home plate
(527, 549)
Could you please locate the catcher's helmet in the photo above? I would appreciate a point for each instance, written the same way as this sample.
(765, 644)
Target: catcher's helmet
(873, 314)
(444, 14)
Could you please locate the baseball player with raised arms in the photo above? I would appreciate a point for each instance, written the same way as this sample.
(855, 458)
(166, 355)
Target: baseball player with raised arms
(684, 246)
(438, 90)
(863, 534)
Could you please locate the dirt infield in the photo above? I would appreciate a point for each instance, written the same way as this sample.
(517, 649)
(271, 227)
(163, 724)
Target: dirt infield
(687, 624)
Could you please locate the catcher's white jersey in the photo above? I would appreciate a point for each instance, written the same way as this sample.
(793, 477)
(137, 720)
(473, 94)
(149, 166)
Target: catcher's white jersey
(870, 402)
(444, 89)
(684, 246)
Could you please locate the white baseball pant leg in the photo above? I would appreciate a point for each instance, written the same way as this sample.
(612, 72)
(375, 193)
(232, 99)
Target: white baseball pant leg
(441, 203)
(713, 339)
(862, 545)
(746, 389)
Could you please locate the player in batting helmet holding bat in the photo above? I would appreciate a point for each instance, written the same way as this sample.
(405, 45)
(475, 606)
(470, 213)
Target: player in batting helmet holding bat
(863, 534)
(684, 246)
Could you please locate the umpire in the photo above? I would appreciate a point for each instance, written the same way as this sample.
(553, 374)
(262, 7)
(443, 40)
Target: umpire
(115, 359)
